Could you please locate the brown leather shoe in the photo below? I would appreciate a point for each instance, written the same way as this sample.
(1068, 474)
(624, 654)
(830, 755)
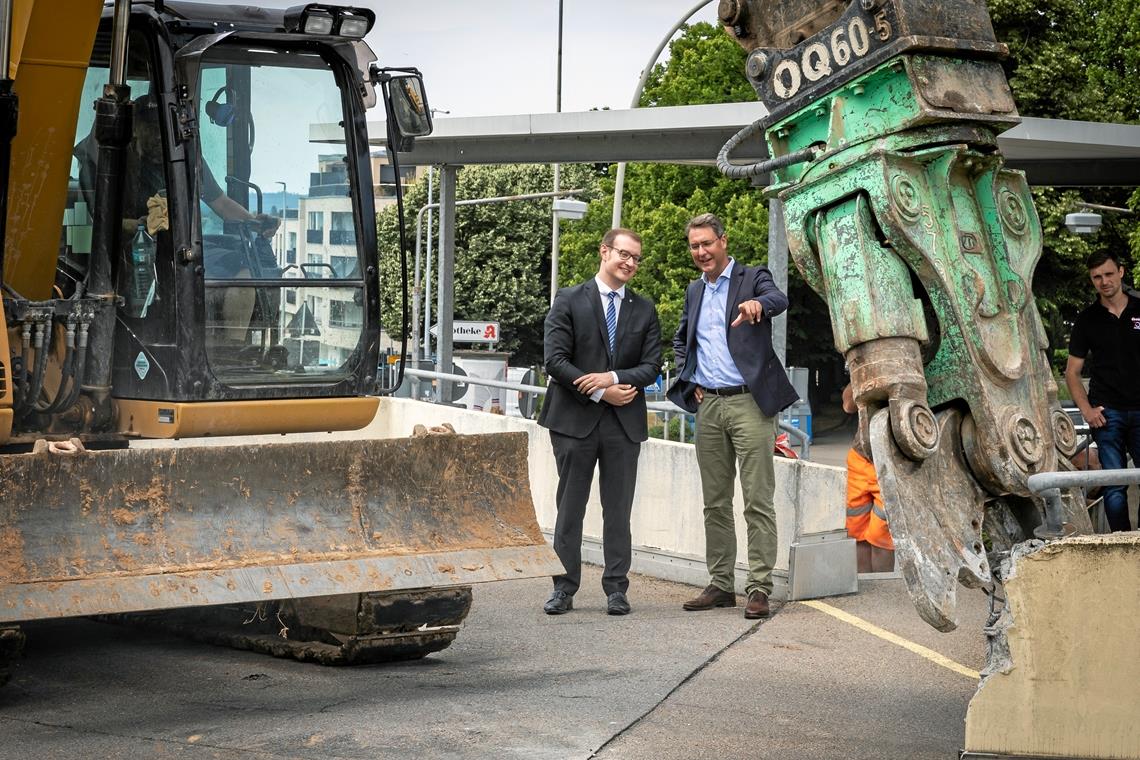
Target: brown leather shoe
(757, 606)
(709, 598)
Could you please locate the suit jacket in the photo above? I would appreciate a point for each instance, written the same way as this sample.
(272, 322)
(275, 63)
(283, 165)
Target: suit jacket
(750, 345)
(577, 343)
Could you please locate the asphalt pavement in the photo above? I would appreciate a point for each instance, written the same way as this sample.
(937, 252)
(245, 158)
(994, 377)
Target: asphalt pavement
(660, 683)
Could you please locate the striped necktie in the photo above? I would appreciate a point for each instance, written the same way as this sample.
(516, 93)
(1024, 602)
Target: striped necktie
(611, 318)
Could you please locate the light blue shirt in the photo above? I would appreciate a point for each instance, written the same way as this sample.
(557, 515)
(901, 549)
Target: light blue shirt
(715, 367)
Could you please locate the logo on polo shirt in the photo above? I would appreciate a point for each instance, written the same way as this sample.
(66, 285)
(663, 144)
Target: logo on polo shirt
(1136, 323)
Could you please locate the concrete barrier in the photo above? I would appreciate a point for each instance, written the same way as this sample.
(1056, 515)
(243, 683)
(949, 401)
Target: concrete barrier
(815, 557)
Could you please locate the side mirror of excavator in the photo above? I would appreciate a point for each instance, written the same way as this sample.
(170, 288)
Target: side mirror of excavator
(409, 108)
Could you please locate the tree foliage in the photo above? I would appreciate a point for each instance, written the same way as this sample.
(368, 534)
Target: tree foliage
(502, 251)
(1073, 59)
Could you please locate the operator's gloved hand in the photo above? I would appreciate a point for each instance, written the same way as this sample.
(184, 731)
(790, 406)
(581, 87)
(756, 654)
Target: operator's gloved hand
(157, 215)
(267, 225)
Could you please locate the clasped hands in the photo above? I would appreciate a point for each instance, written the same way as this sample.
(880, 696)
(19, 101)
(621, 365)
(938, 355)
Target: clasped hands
(614, 394)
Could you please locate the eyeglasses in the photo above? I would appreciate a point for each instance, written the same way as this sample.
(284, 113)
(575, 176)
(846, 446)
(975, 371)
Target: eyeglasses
(706, 244)
(626, 255)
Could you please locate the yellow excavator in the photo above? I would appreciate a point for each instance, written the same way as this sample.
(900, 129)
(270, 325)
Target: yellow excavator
(149, 294)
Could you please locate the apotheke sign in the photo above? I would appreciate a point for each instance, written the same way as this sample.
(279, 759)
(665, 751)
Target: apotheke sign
(471, 332)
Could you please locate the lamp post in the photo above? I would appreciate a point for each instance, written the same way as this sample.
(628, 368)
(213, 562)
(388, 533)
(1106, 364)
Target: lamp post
(284, 222)
(554, 229)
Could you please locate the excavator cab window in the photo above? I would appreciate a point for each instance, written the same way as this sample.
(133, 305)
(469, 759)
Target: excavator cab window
(284, 289)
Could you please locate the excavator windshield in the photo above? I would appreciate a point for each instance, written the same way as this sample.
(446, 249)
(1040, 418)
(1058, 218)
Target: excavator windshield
(284, 287)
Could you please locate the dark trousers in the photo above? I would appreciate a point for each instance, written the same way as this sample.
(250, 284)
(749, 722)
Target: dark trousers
(1116, 440)
(608, 447)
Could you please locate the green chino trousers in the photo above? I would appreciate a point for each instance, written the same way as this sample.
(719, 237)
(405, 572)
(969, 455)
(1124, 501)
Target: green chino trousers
(732, 429)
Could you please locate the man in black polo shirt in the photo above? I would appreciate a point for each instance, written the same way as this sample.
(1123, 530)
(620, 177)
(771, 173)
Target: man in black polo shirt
(1109, 330)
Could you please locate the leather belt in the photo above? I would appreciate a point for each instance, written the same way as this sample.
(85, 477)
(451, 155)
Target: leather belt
(732, 390)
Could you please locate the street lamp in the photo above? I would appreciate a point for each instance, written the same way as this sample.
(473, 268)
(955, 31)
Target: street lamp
(284, 222)
(1087, 221)
(569, 208)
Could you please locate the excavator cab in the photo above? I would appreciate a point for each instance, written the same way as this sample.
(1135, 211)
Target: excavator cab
(224, 299)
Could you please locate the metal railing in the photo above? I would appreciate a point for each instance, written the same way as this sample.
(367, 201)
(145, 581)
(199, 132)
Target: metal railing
(666, 409)
(1048, 485)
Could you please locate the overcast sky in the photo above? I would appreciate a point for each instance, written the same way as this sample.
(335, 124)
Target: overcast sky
(486, 57)
(500, 56)
(491, 57)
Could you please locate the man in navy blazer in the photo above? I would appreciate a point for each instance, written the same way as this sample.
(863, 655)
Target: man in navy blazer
(602, 347)
(731, 377)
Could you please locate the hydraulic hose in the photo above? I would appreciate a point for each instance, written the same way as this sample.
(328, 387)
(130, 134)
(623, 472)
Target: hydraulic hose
(743, 171)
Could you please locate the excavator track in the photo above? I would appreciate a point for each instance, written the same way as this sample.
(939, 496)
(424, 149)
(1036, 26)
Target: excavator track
(347, 629)
(11, 644)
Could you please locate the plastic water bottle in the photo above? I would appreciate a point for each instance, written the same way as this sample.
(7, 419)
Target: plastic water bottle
(140, 291)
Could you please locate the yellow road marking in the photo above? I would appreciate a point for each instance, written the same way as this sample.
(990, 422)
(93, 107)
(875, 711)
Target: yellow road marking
(895, 639)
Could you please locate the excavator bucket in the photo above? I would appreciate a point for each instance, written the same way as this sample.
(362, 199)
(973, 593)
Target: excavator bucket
(86, 532)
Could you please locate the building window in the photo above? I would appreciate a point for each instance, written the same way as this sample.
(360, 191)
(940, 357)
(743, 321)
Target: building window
(315, 232)
(345, 314)
(343, 231)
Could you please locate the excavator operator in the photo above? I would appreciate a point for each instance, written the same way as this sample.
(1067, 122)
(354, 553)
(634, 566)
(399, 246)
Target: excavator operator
(146, 181)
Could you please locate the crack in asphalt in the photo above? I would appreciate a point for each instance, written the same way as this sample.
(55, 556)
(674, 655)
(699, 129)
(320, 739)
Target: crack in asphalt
(695, 672)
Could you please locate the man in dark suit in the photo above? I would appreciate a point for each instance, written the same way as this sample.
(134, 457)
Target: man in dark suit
(731, 377)
(602, 347)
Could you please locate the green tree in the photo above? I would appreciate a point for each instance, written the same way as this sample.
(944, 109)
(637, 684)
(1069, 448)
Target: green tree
(1073, 59)
(502, 251)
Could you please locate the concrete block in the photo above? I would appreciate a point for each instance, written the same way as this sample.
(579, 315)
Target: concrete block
(1062, 678)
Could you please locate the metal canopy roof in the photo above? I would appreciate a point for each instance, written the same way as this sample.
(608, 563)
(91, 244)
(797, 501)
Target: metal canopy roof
(1052, 152)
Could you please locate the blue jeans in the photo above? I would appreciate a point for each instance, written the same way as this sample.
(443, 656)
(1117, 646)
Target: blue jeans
(1120, 434)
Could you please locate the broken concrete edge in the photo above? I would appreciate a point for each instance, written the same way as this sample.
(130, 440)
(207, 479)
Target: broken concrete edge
(998, 655)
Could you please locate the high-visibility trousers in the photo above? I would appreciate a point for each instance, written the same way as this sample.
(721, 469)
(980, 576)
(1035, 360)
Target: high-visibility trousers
(866, 518)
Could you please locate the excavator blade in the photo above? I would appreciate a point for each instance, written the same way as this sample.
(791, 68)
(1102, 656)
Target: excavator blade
(935, 508)
(96, 532)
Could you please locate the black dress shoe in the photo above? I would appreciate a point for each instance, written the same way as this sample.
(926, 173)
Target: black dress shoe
(617, 604)
(559, 603)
